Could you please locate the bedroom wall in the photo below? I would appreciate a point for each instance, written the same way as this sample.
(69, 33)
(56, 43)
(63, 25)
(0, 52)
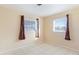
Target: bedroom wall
(58, 38)
(9, 29)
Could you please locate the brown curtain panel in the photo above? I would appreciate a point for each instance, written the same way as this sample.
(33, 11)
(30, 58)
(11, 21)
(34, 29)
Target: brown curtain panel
(22, 32)
(67, 34)
(37, 31)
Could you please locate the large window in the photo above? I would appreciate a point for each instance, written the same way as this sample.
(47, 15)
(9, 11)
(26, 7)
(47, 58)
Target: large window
(59, 25)
(30, 25)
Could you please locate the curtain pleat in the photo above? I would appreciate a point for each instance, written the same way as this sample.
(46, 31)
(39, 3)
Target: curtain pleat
(22, 32)
(67, 34)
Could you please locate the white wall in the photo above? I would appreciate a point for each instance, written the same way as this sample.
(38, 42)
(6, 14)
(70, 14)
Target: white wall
(9, 29)
(58, 38)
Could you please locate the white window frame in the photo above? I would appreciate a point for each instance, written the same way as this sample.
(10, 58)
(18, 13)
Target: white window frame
(60, 26)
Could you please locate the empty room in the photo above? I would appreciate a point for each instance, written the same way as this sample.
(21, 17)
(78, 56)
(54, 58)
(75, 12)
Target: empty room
(39, 29)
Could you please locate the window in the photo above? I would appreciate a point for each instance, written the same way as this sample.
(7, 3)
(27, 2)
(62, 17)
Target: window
(59, 25)
(30, 28)
(30, 25)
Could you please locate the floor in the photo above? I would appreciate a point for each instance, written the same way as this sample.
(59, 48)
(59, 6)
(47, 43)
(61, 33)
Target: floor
(42, 49)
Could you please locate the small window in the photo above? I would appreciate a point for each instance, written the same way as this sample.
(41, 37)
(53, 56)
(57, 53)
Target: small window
(59, 25)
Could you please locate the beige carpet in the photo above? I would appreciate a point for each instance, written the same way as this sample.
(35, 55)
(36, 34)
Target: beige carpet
(41, 49)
